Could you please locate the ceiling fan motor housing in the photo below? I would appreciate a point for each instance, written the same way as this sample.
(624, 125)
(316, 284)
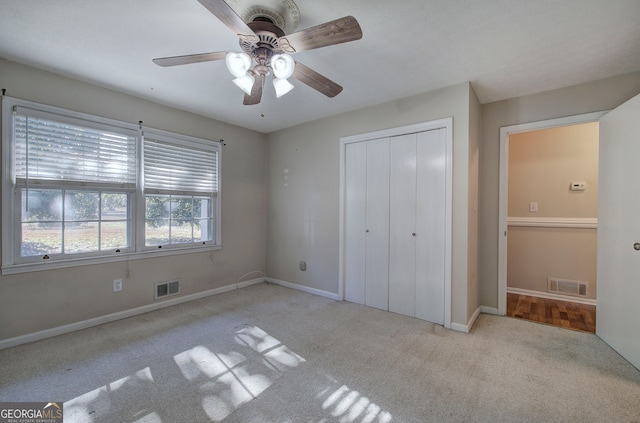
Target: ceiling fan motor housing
(283, 13)
(268, 34)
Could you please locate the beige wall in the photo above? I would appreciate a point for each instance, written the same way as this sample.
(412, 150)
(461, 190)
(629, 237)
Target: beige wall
(584, 98)
(537, 253)
(304, 186)
(542, 165)
(36, 301)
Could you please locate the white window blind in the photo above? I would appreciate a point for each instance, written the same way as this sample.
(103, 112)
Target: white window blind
(73, 189)
(50, 149)
(179, 168)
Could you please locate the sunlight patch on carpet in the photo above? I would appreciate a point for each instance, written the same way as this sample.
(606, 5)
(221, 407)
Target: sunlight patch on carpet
(225, 380)
(349, 405)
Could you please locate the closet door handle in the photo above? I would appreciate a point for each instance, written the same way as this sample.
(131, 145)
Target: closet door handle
(636, 246)
(413, 234)
(367, 231)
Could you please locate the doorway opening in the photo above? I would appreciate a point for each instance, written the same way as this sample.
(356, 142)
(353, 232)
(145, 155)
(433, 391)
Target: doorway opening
(548, 221)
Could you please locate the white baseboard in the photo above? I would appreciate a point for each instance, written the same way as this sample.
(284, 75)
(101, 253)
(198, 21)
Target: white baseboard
(459, 327)
(489, 310)
(472, 320)
(551, 296)
(60, 330)
(250, 282)
(306, 289)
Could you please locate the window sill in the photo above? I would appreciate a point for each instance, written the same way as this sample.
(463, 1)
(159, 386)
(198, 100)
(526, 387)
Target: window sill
(15, 269)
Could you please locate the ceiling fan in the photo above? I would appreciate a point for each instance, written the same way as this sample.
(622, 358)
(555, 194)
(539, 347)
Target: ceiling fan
(266, 49)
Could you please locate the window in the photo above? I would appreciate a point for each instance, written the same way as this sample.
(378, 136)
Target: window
(180, 188)
(63, 222)
(80, 187)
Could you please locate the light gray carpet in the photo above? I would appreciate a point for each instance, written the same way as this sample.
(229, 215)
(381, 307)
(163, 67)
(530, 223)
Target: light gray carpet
(271, 354)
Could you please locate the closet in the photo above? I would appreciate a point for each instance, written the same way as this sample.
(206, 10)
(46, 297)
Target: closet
(395, 223)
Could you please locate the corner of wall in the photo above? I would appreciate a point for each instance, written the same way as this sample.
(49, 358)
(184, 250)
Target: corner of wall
(475, 134)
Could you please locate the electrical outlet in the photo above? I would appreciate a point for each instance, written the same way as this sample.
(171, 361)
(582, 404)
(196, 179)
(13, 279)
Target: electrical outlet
(578, 186)
(117, 285)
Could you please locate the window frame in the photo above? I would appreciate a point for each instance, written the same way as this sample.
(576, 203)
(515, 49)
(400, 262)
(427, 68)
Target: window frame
(13, 263)
(183, 140)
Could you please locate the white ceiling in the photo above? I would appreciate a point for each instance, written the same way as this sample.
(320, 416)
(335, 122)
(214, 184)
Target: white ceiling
(506, 48)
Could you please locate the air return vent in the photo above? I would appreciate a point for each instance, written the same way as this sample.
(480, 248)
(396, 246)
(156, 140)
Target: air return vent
(165, 289)
(567, 287)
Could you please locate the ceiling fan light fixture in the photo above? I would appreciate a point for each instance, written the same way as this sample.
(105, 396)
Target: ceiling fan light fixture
(282, 86)
(264, 30)
(238, 63)
(282, 65)
(245, 83)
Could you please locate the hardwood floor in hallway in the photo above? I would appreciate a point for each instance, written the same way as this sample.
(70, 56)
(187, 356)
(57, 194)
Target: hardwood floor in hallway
(559, 313)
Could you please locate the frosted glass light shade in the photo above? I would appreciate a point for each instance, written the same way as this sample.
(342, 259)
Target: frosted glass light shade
(282, 66)
(282, 86)
(238, 63)
(245, 83)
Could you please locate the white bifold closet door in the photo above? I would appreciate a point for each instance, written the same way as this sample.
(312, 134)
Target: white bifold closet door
(417, 225)
(395, 224)
(377, 231)
(367, 223)
(402, 225)
(355, 221)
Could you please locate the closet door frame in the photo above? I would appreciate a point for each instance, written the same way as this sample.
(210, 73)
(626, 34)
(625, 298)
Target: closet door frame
(447, 124)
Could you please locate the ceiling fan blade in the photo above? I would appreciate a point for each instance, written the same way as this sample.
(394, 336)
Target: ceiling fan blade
(229, 17)
(316, 81)
(337, 31)
(190, 58)
(256, 92)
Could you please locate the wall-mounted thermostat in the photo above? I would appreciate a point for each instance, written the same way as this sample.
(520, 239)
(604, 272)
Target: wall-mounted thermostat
(578, 186)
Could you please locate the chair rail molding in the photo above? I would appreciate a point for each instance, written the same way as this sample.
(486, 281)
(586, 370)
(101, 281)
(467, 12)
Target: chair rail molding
(555, 222)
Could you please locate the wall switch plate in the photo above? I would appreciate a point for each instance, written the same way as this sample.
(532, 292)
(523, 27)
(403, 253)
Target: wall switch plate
(533, 206)
(303, 266)
(117, 285)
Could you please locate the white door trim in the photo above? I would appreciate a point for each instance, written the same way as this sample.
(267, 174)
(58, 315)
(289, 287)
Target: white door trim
(447, 124)
(505, 131)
